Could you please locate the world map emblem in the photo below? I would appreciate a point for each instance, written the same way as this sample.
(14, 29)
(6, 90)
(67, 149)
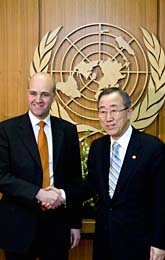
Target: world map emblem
(96, 56)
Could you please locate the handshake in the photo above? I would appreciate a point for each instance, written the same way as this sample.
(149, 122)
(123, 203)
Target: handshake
(50, 198)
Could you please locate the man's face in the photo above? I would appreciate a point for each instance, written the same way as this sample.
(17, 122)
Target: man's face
(40, 95)
(113, 118)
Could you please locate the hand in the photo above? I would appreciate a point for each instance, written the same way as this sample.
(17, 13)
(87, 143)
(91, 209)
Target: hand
(157, 254)
(57, 199)
(50, 198)
(75, 237)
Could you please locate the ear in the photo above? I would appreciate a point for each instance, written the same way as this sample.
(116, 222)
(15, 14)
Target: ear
(129, 112)
(54, 97)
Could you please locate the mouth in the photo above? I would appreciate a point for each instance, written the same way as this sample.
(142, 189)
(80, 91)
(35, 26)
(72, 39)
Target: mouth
(110, 126)
(38, 105)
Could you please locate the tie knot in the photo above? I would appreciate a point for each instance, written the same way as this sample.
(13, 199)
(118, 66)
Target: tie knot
(41, 124)
(115, 146)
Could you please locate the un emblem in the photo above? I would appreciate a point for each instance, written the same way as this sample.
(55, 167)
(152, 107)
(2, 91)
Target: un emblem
(96, 56)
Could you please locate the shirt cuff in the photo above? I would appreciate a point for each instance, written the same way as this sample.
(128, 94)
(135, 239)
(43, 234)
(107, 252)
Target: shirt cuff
(63, 195)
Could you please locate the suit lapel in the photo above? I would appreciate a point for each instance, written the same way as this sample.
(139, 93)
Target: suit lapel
(26, 133)
(57, 138)
(106, 161)
(103, 161)
(130, 161)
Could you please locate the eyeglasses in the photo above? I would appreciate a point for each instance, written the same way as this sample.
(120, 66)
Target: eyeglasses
(113, 113)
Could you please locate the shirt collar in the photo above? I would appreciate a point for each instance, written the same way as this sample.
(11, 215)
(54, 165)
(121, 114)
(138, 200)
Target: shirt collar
(124, 139)
(34, 120)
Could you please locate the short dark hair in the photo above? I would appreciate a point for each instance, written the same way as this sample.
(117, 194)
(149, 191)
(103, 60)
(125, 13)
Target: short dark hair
(126, 98)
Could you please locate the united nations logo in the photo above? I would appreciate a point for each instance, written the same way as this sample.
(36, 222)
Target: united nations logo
(100, 55)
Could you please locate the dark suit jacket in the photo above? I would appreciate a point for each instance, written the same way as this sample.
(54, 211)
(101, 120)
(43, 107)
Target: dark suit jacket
(21, 179)
(134, 219)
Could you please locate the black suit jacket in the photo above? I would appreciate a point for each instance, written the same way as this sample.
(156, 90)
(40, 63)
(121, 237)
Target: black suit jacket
(21, 179)
(134, 219)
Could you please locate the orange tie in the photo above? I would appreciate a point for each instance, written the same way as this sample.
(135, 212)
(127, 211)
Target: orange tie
(43, 150)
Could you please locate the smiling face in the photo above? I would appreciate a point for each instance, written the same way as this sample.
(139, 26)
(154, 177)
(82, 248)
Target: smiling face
(113, 118)
(40, 95)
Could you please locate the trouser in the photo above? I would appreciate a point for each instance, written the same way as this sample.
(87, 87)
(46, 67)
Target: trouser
(47, 243)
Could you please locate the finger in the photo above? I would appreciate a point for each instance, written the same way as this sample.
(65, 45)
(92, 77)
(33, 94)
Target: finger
(48, 188)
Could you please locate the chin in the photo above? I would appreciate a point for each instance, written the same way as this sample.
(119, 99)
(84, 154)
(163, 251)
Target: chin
(110, 131)
(40, 116)
(114, 135)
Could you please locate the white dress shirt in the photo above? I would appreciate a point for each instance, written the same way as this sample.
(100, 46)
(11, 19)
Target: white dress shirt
(123, 141)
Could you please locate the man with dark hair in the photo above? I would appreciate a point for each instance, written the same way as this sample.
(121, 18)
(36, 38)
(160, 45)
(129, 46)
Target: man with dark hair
(126, 168)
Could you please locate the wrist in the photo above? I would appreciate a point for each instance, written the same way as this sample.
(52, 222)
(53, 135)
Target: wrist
(39, 194)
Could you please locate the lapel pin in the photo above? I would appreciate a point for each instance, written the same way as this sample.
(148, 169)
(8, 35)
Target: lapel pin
(133, 157)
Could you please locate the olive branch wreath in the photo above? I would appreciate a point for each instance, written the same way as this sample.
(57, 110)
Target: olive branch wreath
(43, 51)
(145, 112)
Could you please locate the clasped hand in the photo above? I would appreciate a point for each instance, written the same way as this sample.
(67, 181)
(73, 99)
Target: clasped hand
(50, 198)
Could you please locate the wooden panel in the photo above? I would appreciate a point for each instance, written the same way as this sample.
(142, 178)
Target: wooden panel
(23, 24)
(83, 251)
(2, 256)
(128, 14)
(18, 36)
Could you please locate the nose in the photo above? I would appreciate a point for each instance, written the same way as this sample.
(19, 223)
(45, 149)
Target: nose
(38, 98)
(108, 115)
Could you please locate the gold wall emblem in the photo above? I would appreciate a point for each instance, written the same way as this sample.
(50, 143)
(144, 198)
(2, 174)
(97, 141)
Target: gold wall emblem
(100, 55)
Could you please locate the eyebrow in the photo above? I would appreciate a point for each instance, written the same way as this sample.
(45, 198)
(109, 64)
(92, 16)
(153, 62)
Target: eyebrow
(109, 106)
